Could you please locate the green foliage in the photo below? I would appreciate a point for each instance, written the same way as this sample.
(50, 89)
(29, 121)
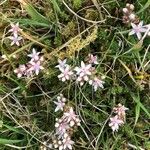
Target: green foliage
(77, 4)
(35, 15)
(27, 117)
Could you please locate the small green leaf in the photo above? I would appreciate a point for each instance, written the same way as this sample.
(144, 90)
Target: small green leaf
(13, 129)
(35, 15)
(137, 113)
(30, 22)
(145, 7)
(1, 123)
(137, 100)
(8, 141)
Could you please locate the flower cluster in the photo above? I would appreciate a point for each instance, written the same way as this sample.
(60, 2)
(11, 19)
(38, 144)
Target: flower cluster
(119, 118)
(137, 26)
(65, 125)
(129, 14)
(81, 74)
(15, 38)
(138, 29)
(33, 66)
(45, 146)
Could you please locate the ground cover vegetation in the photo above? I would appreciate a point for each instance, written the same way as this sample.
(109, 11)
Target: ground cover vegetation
(74, 74)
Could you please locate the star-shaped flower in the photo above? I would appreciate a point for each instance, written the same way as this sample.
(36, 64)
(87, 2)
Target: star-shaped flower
(66, 73)
(70, 115)
(62, 64)
(34, 55)
(115, 122)
(61, 128)
(15, 39)
(96, 83)
(138, 29)
(83, 70)
(59, 105)
(92, 59)
(36, 67)
(20, 71)
(67, 142)
(14, 28)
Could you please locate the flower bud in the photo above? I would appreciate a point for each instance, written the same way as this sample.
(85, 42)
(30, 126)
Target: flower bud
(125, 10)
(65, 135)
(59, 142)
(132, 16)
(56, 125)
(72, 123)
(131, 6)
(55, 145)
(127, 5)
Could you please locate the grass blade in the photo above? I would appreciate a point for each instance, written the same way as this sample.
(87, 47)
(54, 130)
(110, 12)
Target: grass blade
(145, 7)
(8, 141)
(35, 15)
(137, 100)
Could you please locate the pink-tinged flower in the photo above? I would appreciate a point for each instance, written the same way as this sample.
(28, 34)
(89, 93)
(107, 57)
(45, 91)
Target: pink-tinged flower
(115, 122)
(138, 29)
(14, 28)
(66, 73)
(61, 128)
(84, 70)
(96, 83)
(80, 80)
(92, 59)
(15, 39)
(20, 71)
(34, 55)
(120, 111)
(36, 67)
(59, 105)
(70, 115)
(62, 64)
(67, 142)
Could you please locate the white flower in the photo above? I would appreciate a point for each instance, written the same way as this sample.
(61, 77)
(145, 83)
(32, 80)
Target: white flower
(70, 115)
(96, 83)
(20, 71)
(66, 73)
(59, 105)
(62, 64)
(68, 143)
(34, 55)
(137, 29)
(92, 59)
(84, 70)
(61, 128)
(36, 67)
(14, 28)
(115, 122)
(15, 39)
